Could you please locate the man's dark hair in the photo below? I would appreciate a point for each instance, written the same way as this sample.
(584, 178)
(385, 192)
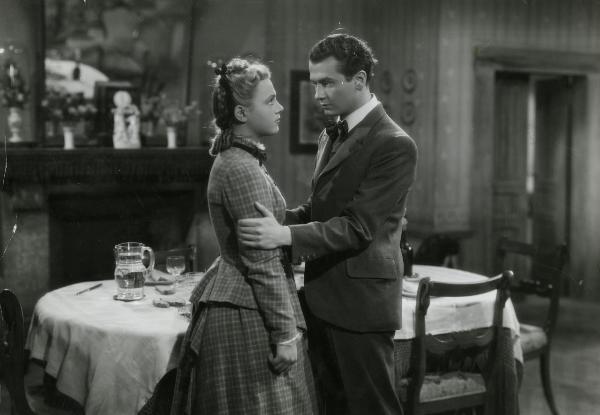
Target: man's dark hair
(354, 54)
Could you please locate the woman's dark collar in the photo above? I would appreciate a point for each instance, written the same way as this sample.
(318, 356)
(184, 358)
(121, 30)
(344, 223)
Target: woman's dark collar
(255, 148)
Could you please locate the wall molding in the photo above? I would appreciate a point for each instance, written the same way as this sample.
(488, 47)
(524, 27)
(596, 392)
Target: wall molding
(553, 61)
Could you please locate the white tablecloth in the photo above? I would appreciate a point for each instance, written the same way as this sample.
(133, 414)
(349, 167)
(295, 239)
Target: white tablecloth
(107, 355)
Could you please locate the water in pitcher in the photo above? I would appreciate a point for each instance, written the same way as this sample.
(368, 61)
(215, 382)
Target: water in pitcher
(130, 285)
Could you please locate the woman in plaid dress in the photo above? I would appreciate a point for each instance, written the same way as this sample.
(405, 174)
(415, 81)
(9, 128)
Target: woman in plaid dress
(245, 350)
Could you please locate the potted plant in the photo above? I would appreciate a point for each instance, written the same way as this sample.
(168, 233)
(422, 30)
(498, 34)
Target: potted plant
(13, 95)
(71, 111)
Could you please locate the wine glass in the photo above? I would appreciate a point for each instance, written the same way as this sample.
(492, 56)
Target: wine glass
(175, 266)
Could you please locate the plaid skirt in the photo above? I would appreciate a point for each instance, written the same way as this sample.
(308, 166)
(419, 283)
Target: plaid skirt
(230, 374)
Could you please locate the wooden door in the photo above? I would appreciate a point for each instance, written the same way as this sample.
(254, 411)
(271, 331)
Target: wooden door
(510, 199)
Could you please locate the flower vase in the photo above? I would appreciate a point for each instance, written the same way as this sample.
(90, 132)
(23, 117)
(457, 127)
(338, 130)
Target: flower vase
(69, 137)
(15, 123)
(171, 137)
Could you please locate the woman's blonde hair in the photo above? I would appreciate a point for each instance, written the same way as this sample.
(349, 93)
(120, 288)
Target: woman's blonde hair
(234, 85)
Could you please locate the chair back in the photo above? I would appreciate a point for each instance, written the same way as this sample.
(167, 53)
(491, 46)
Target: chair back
(12, 351)
(543, 275)
(189, 253)
(438, 345)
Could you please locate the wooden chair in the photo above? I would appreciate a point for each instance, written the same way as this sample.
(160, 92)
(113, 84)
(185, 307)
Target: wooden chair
(13, 362)
(429, 393)
(189, 253)
(545, 280)
(12, 352)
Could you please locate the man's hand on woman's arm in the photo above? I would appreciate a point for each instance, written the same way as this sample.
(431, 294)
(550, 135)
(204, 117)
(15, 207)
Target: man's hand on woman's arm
(263, 233)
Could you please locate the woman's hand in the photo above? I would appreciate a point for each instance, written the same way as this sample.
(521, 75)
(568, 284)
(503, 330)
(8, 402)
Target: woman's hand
(283, 357)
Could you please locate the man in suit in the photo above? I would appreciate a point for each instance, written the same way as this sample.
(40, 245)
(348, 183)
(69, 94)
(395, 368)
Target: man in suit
(348, 232)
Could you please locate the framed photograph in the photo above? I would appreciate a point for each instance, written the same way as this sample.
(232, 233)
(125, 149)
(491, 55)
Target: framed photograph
(104, 93)
(307, 119)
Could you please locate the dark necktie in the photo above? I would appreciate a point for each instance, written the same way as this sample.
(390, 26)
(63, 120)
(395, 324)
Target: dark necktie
(337, 130)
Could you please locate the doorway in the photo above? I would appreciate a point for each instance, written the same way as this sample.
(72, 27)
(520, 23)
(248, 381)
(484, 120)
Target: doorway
(566, 146)
(532, 158)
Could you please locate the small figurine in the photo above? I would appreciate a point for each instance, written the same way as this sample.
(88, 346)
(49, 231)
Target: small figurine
(126, 133)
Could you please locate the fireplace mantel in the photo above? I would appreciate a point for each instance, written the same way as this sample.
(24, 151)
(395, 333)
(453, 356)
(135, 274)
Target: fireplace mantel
(105, 166)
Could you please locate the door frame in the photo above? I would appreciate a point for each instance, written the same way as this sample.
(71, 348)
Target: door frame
(488, 61)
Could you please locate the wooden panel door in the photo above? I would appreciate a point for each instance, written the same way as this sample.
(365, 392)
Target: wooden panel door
(510, 200)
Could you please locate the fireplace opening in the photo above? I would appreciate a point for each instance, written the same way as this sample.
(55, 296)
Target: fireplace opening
(85, 227)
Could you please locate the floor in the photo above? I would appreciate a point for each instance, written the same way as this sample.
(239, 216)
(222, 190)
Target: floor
(575, 364)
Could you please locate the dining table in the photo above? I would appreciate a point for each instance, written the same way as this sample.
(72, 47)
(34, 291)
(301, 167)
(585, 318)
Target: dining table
(110, 355)
(105, 354)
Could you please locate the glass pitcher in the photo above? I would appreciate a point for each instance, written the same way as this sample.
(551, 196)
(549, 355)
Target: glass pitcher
(130, 271)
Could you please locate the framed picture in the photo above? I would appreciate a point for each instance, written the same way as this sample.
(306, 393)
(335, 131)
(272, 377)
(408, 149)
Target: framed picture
(104, 93)
(307, 118)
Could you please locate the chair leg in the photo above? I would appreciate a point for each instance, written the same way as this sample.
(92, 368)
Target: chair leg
(546, 383)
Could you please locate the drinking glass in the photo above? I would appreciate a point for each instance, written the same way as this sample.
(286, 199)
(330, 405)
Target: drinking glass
(175, 266)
